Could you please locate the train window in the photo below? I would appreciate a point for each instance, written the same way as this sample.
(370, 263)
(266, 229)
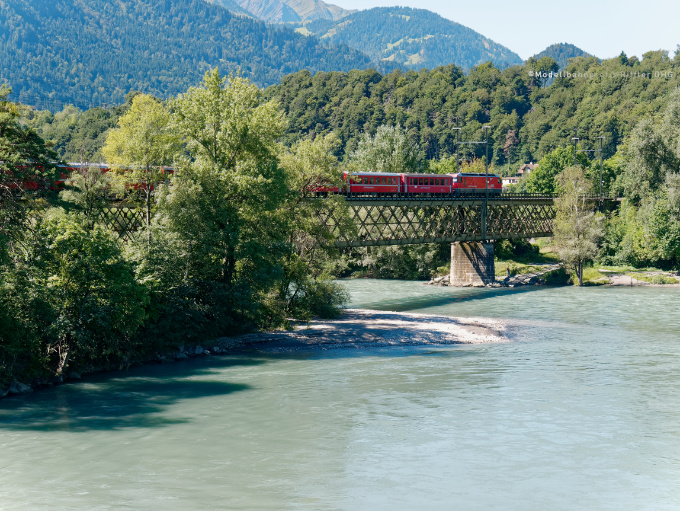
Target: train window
(436, 181)
(431, 181)
(382, 180)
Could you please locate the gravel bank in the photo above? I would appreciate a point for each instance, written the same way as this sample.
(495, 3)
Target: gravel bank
(361, 328)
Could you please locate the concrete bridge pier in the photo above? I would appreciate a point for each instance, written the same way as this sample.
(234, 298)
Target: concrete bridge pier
(472, 264)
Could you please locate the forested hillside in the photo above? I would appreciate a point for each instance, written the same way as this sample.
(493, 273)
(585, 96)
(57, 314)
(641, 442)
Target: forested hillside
(413, 39)
(561, 53)
(526, 120)
(55, 52)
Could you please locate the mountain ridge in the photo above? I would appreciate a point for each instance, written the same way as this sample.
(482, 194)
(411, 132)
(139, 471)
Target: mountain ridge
(56, 52)
(412, 38)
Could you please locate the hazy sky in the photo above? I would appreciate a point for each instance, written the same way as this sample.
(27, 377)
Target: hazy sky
(527, 27)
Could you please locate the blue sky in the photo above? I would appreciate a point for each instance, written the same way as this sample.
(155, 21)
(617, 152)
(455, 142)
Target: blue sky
(529, 26)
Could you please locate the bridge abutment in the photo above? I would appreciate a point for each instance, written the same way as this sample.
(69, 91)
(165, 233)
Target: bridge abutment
(472, 264)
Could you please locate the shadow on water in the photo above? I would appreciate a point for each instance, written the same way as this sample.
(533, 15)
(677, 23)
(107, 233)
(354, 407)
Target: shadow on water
(136, 398)
(292, 350)
(406, 303)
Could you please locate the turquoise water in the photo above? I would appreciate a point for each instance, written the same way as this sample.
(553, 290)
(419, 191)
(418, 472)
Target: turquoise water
(579, 410)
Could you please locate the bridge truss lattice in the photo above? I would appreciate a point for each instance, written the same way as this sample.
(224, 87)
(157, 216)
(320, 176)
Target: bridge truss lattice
(384, 221)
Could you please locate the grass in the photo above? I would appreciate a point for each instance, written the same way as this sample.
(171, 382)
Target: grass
(593, 277)
(515, 268)
(658, 278)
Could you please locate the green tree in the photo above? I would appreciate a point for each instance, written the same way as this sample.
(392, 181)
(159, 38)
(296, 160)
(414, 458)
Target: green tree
(390, 150)
(70, 298)
(232, 179)
(27, 169)
(305, 287)
(88, 190)
(139, 148)
(218, 217)
(543, 178)
(577, 228)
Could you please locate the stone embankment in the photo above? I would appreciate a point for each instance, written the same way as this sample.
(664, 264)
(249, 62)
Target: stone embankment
(524, 279)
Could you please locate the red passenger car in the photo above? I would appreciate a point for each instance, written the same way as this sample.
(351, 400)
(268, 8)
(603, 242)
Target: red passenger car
(433, 185)
(377, 184)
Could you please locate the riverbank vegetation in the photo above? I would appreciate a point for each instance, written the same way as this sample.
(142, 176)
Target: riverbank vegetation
(229, 248)
(229, 243)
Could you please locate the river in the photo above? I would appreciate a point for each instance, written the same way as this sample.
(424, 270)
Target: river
(579, 410)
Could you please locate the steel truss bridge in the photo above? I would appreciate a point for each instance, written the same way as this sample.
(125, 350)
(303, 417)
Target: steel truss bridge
(377, 221)
(380, 221)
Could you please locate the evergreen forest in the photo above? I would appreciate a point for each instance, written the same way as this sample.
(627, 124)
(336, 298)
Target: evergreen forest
(57, 52)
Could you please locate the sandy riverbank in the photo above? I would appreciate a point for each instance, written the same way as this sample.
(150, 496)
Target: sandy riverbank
(361, 328)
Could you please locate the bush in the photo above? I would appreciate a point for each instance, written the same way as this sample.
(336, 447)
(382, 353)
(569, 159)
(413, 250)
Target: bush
(559, 277)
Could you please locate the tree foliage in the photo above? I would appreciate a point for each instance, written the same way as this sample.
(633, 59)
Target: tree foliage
(87, 191)
(389, 150)
(577, 228)
(26, 169)
(139, 147)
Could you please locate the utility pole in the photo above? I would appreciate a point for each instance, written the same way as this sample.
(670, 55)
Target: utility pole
(486, 181)
(457, 129)
(575, 139)
(601, 204)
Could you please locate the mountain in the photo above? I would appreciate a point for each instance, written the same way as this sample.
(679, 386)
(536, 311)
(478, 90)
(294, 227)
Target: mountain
(232, 7)
(561, 53)
(287, 11)
(55, 52)
(412, 38)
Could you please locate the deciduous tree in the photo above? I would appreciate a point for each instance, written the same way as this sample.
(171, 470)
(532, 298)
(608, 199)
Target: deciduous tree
(140, 146)
(577, 228)
(390, 150)
(26, 169)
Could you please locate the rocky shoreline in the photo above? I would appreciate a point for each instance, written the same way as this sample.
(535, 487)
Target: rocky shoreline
(521, 279)
(610, 278)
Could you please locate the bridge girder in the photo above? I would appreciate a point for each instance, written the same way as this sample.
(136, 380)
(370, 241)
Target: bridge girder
(379, 222)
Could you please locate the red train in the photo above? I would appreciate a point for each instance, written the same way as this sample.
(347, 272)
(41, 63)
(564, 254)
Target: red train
(66, 170)
(384, 184)
(63, 173)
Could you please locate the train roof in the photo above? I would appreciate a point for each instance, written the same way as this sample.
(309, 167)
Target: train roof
(361, 173)
(417, 174)
(475, 174)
